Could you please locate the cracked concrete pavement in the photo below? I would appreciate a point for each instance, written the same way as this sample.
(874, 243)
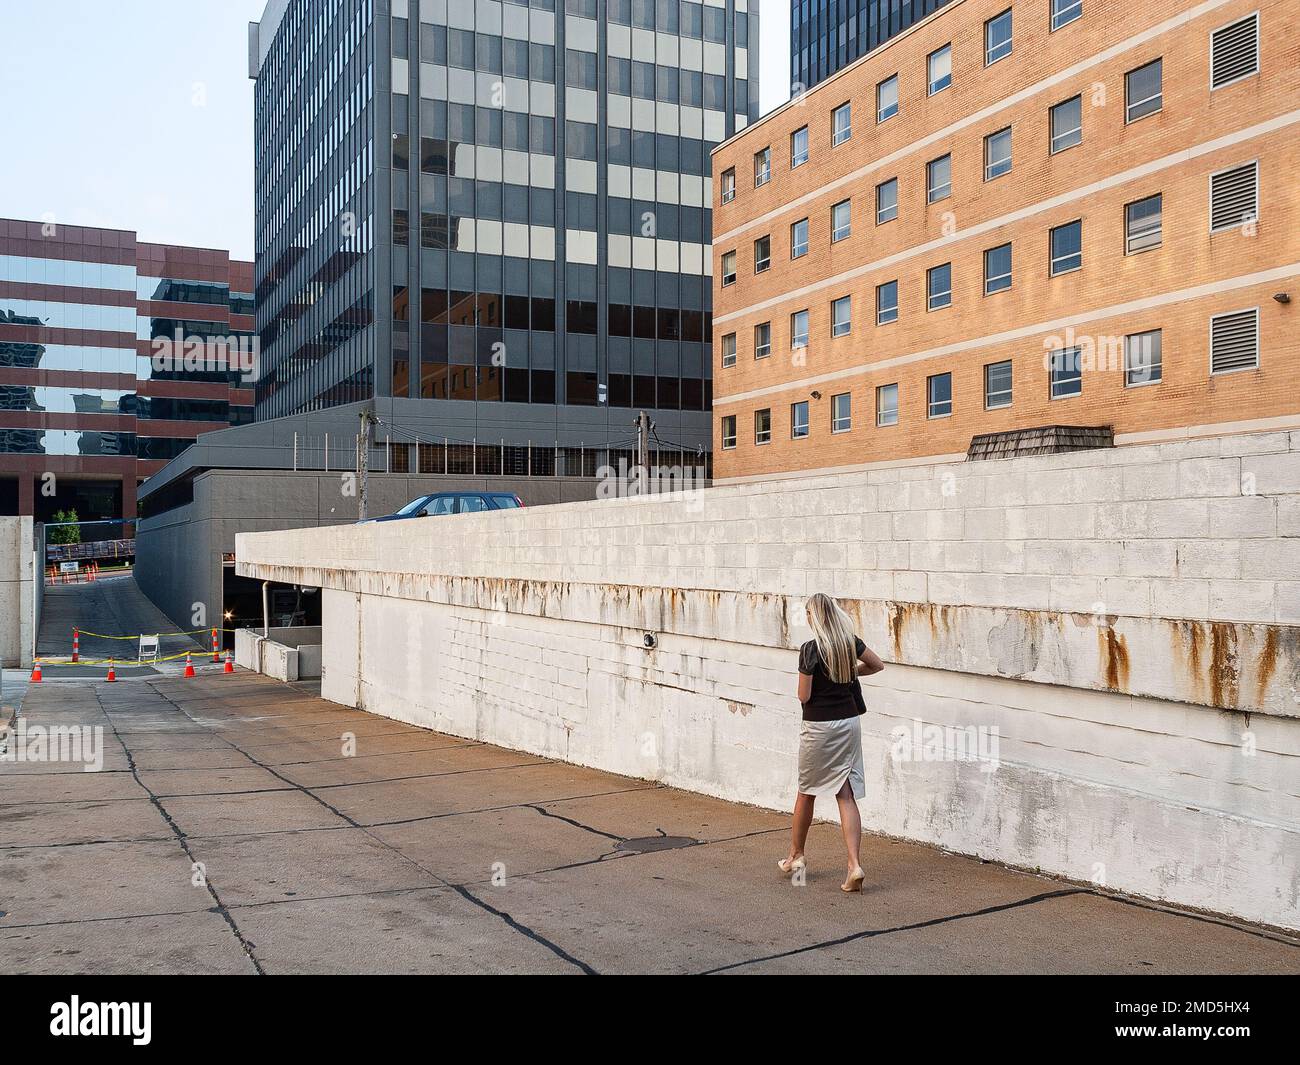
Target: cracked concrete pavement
(228, 832)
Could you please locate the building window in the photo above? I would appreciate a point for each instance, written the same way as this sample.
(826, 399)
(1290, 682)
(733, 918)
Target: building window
(997, 38)
(1142, 230)
(1142, 364)
(762, 167)
(729, 350)
(887, 303)
(1066, 373)
(840, 223)
(1142, 94)
(938, 179)
(799, 420)
(1234, 341)
(728, 268)
(997, 385)
(799, 329)
(887, 405)
(841, 413)
(763, 426)
(1067, 247)
(729, 185)
(763, 340)
(1234, 197)
(762, 254)
(728, 432)
(939, 66)
(841, 124)
(887, 201)
(841, 317)
(997, 269)
(887, 98)
(1234, 52)
(997, 154)
(799, 239)
(798, 147)
(938, 286)
(1065, 11)
(1067, 124)
(938, 391)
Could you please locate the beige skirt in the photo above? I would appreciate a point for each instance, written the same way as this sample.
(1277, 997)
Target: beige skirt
(830, 752)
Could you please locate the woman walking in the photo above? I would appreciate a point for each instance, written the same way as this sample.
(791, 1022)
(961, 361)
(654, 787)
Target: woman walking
(830, 739)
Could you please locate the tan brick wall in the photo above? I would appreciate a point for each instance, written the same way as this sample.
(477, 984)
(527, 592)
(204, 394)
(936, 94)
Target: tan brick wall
(1178, 286)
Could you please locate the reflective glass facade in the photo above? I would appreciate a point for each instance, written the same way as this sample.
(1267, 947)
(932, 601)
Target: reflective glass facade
(86, 408)
(826, 35)
(535, 256)
(314, 130)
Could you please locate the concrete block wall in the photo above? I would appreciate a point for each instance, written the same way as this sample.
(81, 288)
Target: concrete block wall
(17, 619)
(1125, 621)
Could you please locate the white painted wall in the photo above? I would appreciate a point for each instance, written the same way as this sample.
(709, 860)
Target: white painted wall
(1124, 619)
(16, 591)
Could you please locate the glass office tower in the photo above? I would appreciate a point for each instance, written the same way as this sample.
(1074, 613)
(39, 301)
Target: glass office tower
(494, 214)
(828, 34)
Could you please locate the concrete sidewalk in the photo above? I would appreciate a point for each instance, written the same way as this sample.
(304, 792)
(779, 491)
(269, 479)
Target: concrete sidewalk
(229, 833)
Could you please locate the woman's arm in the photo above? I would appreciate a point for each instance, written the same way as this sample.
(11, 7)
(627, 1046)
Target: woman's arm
(869, 663)
(805, 687)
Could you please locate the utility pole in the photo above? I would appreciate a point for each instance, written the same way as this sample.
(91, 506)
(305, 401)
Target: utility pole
(363, 474)
(643, 427)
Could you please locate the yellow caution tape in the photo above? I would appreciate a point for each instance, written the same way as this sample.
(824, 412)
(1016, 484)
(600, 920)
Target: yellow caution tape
(160, 635)
(125, 661)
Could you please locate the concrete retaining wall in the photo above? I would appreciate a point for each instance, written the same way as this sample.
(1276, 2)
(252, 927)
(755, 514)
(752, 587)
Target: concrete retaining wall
(288, 653)
(1121, 624)
(17, 617)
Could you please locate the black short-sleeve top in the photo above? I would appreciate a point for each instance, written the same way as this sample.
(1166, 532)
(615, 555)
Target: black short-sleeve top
(829, 701)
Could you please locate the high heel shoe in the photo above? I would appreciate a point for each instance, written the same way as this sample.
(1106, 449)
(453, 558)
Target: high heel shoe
(854, 882)
(790, 866)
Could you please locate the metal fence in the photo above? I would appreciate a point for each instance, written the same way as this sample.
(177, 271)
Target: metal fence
(96, 549)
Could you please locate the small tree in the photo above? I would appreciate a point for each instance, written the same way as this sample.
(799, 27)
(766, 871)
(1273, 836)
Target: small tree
(65, 534)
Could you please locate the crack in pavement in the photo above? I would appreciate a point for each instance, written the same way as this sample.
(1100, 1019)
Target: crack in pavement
(469, 896)
(573, 822)
(1032, 900)
(184, 844)
(872, 933)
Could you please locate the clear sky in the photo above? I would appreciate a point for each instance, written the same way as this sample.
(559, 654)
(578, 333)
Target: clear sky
(138, 114)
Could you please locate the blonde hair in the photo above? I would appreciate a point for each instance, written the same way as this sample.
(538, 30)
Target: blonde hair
(836, 642)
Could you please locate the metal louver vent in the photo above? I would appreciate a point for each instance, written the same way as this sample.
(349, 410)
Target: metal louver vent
(1234, 341)
(1232, 197)
(1234, 52)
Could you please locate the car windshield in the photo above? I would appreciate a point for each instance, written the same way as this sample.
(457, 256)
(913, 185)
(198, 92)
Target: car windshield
(501, 502)
(414, 505)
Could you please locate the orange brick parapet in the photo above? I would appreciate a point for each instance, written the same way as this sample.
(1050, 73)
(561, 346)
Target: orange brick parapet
(1131, 148)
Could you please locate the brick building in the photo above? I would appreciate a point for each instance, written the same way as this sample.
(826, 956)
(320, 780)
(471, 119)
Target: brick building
(1011, 215)
(87, 410)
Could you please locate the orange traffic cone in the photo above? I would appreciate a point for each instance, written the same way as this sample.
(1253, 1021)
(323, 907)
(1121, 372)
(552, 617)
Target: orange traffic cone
(189, 666)
(112, 673)
(230, 663)
(36, 672)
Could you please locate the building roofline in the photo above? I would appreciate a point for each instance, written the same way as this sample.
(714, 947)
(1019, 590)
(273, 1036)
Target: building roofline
(796, 101)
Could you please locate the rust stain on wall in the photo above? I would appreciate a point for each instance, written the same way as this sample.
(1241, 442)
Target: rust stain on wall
(1267, 665)
(1225, 676)
(896, 623)
(743, 709)
(1114, 658)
